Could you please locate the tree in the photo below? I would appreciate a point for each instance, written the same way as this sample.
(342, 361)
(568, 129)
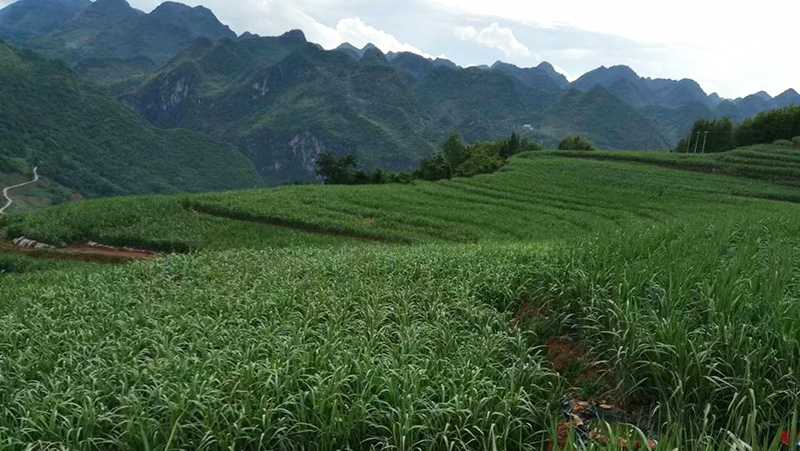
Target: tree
(336, 171)
(454, 152)
(433, 168)
(769, 126)
(511, 146)
(479, 163)
(379, 177)
(575, 143)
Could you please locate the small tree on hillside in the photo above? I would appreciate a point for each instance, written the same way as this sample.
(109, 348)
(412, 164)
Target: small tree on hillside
(433, 168)
(454, 152)
(575, 143)
(511, 146)
(336, 171)
(480, 163)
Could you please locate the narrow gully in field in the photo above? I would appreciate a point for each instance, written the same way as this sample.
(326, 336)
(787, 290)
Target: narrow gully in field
(296, 225)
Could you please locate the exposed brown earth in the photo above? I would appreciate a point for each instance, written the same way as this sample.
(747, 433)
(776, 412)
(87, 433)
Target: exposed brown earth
(87, 253)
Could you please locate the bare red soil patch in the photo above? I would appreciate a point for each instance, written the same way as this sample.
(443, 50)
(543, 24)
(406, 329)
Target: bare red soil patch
(82, 253)
(527, 309)
(566, 355)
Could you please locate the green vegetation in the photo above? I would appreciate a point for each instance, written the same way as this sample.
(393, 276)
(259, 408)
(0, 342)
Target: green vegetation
(390, 325)
(414, 315)
(159, 223)
(769, 126)
(31, 197)
(601, 117)
(21, 264)
(95, 146)
(777, 126)
(699, 318)
(454, 160)
(342, 171)
(538, 196)
(709, 137)
(283, 350)
(457, 160)
(575, 143)
(108, 33)
(778, 164)
(284, 101)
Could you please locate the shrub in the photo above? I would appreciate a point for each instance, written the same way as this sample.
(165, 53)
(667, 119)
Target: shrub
(336, 171)
(575, 143)
(796, 142)
(783, 143)
(479, 164)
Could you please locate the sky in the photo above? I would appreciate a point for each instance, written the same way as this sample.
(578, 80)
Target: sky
(728, 48)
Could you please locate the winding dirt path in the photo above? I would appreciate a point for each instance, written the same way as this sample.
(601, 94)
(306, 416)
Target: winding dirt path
(6, 190)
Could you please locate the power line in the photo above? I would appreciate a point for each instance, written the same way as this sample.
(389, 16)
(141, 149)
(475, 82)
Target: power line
(704, 142)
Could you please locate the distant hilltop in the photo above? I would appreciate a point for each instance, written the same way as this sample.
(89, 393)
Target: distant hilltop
(283, 100)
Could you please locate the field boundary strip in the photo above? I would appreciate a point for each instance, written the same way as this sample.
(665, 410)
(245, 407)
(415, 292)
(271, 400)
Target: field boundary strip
(701, 167)
(85, 255)
(294, 225)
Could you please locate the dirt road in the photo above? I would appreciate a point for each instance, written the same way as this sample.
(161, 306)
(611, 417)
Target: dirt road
(6, 190)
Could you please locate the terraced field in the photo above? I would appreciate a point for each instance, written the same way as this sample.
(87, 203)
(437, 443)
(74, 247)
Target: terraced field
(767, 162)
(425, 316)
(538, 196)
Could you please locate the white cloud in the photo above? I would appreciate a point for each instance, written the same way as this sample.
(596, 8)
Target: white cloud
(359, 34)
(274, 17)
(720, 44)
(496, 37)
(563, 72)
(678, 21)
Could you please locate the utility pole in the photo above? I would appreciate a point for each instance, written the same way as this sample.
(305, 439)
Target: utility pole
(705, 138)
(697, 142)
(689, 142)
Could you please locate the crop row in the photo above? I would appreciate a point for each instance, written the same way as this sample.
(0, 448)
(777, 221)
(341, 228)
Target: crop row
(409, 347)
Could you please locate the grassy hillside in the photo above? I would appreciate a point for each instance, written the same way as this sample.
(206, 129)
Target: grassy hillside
(415, 316)
(94, 145)
(540, 196)
(779, 164)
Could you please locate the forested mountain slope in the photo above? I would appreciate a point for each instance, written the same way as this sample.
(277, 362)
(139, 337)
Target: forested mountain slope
(96, 146)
